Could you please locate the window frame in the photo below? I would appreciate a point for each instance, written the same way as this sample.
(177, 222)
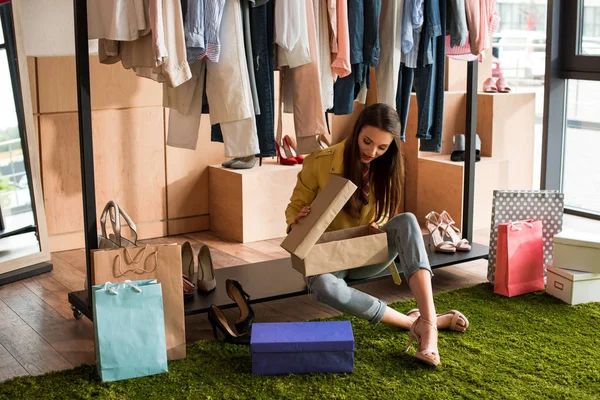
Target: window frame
(574, 65)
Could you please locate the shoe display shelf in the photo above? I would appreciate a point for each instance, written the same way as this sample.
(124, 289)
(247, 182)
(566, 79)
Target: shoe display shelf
(505, 124)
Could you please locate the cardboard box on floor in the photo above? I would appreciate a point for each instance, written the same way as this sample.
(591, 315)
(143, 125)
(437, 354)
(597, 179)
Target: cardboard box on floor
(315, 252)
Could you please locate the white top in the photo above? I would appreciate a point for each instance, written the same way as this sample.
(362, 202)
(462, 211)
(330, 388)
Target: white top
(291, 33)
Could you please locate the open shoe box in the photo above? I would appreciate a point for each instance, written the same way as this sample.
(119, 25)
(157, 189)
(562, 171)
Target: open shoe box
(315, 252)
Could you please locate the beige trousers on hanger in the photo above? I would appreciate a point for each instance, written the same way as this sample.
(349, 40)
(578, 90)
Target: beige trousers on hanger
(228, 92)
(390, 27)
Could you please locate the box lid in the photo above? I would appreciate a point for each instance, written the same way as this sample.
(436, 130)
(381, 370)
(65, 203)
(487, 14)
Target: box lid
(573, 275)
(294, 337)
(574, 238)
(324, 208)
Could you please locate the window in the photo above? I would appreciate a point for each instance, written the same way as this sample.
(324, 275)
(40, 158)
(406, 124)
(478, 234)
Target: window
(15, 189)
(580, 180)
(580, 40)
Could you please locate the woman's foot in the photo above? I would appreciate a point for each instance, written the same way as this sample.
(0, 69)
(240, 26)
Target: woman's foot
(426, 334)
(451, 320)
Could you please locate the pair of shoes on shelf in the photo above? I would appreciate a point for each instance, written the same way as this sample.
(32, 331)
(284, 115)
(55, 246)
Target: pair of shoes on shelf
(441, 226)
(496, 86)
(242, 162)
(290, 150)
(243, 323)
(206, 273)
(458, 150)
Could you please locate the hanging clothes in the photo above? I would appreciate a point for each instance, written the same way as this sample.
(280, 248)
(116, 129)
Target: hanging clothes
(456, 24)
(390, 26)
(305, 83)
(482, 21)
(428, 80)
(227, 90)
(412, 23)
(261, 35)
(291, 34)
(123, 20)
(202, 26)
(160, 54)
(363, 22)
(340, 41)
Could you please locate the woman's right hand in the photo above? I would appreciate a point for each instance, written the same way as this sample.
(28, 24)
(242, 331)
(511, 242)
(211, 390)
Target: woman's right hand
(303, 213)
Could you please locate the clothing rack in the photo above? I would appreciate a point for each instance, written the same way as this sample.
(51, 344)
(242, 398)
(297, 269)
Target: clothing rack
(81, 303)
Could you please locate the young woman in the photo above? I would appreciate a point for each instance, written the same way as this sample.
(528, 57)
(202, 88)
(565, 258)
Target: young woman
(371, 159)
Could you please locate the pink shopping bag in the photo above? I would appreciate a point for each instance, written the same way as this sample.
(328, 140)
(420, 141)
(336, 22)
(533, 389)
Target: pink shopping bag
(519, 258)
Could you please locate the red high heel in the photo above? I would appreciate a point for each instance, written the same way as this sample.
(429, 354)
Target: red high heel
(284, 160)
(289, 146)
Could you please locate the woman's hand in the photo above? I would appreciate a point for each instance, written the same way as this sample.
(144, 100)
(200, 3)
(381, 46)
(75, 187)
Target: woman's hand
(374, 225)
(303, 213)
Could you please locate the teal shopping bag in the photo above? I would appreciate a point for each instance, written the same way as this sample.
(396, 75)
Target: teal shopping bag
(129, 329)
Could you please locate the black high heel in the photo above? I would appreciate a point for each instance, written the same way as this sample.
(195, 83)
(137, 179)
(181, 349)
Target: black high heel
(243, 323)
(218, 320)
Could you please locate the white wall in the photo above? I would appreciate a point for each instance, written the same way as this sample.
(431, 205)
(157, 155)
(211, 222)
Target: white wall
(48, 27)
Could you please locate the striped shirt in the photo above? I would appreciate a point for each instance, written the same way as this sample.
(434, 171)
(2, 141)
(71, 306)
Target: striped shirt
(412, 25)
(202, 25)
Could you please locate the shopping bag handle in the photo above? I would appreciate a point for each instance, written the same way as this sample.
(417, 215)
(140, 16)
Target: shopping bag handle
(518, 225)
(132, 261)
(116, 212)
(127, 282)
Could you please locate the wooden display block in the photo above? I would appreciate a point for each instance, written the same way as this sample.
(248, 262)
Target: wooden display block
(506, 124)
(112, 86)
(441, 187)
(249, 205)
(456, 73)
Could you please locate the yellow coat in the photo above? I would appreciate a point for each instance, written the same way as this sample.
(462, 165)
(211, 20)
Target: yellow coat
(316, 171)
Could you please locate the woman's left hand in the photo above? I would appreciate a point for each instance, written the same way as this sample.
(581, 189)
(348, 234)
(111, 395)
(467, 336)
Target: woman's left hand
(374, 225)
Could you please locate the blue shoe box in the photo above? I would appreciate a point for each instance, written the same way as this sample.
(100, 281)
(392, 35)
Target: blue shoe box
(302, 347)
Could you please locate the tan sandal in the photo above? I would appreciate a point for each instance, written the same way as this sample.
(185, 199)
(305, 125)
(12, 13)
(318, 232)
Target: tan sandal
(450, 230)
(456, 316)
(433, 223)
(429, 355)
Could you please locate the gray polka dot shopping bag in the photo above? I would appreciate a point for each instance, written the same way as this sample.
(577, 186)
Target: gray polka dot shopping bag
(516, 205)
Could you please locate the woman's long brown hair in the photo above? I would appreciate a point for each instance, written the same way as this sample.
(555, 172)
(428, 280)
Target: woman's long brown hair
(386, 170)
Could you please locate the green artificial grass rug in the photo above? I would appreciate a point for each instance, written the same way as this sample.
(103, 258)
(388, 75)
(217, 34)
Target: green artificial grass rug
(527, 347)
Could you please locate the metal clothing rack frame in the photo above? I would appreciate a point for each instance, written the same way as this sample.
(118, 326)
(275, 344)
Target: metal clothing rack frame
(82, 304)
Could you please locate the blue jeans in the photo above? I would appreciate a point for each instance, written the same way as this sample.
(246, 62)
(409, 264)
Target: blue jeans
(363, 23)
(346, 89)
(428, 81)
(405, 243)
(261, 27)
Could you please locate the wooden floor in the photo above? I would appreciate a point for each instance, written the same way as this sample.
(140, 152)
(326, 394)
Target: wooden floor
(38, 333)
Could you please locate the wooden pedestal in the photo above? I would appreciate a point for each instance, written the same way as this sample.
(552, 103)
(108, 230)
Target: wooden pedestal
(249, 205)
(441, 187)
(505, 124)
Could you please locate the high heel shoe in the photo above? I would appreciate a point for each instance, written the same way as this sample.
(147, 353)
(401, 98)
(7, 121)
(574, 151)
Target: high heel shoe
(243, 323)
(206, 271)
(433, 222)
(429, 355)
(284, 160)
(289, 146)
(187, 270)
(450, 230)
(218, 320)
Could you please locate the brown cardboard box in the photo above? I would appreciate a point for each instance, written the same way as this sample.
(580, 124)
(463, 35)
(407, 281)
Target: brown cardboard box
(315, 252)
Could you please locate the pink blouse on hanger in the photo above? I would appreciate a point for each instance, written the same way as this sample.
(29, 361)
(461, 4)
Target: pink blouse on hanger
(341, 52)
(482, 21)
